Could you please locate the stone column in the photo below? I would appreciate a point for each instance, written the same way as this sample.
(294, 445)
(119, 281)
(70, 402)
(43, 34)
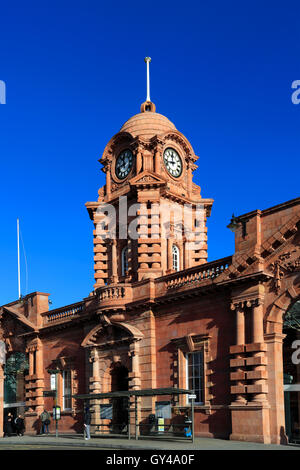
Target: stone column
(108, 179)
(157, 162)
(275, 386)
(240, 325)
(139, 162)
(258, 348)
(169, 255)
(189, 178)
(186, 254)
(129, 274)
(114, 262)
(257, 323)
(31, 362)
(251, 420)
(238, 350)
(134, 384)
(94, 359)
(95, 387)
(39, 377)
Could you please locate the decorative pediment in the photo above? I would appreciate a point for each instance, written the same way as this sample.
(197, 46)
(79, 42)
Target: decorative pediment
(111, 334)
(113, 145)
(181, 140)
(147, 179)
(191, 342)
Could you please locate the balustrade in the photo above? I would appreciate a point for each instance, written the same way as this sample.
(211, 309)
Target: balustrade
(198, 273)
(60, 314)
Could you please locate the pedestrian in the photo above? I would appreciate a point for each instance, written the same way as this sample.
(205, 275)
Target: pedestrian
(20, 426)
(8, 425)
(45, 419)
(87, 423)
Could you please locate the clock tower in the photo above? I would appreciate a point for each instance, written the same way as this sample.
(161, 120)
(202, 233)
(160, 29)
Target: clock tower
(150, 218)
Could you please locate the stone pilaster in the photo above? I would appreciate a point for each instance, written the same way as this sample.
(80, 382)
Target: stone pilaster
(251, 419)
(100, 253)
(275, 387)
(134, 384)
(149, 238)
(95, 386)
(238, 374)
(35, 380)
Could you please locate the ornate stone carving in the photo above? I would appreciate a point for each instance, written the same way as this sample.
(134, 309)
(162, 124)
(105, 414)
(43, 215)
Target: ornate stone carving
(286, 262)
(182, 142)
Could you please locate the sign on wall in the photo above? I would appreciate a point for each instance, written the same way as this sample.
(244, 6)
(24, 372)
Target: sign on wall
(53, 381)
(106, 411)
(163, 409)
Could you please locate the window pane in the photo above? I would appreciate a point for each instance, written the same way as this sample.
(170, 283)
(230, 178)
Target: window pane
(195, 371)
(67, 389)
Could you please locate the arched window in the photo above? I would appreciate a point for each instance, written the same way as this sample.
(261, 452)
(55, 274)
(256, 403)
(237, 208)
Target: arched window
(175, 256)
(124, 257)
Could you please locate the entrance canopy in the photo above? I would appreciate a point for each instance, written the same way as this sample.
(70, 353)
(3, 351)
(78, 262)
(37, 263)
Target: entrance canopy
(147, 392)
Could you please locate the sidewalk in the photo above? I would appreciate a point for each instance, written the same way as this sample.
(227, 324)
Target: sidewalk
(77, 441)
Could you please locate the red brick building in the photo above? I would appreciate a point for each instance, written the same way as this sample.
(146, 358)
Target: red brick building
(159, 314)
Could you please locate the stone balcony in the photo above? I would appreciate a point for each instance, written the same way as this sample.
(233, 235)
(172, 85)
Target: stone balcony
(114, 296)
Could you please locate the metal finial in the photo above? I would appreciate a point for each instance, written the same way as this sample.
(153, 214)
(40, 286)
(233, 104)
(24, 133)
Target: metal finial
(148, 60)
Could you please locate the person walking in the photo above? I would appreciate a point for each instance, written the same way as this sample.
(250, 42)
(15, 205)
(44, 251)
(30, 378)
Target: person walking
(8, 425)
(87, 423)
(45, 418)
(20, 426)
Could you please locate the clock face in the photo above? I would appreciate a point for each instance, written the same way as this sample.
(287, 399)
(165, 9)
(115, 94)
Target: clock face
(124, 164)
(173, 162)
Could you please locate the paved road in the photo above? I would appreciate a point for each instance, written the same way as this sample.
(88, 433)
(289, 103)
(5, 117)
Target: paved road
(73, 442)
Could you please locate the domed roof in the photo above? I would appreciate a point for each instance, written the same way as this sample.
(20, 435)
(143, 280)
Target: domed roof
(147, 124)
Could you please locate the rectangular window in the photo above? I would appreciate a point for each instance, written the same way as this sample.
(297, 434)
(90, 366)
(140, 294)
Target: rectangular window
(67, 390)
(195, 375)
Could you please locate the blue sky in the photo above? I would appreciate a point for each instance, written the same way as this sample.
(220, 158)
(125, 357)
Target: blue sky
(74, 72)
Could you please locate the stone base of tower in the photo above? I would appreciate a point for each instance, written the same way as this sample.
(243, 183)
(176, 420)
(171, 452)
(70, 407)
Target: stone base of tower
(250, 423)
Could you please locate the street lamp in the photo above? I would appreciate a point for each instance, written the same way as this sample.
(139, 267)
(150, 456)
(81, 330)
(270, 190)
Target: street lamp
(235, 223)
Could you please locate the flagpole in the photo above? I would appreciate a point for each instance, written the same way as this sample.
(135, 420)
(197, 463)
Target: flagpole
(19, 270)
(148, 60)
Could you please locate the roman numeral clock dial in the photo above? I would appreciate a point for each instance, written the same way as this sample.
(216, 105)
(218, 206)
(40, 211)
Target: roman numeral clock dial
(173, 162)
(124, 164)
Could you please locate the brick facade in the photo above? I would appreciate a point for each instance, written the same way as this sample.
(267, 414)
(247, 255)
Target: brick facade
(145, 316)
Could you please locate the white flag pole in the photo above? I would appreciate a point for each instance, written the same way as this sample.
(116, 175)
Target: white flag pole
(148, 60)
(19, 270)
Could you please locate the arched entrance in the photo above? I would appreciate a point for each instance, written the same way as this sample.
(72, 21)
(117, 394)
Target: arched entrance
(119, 383)
(114, 353)
(291, 371)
